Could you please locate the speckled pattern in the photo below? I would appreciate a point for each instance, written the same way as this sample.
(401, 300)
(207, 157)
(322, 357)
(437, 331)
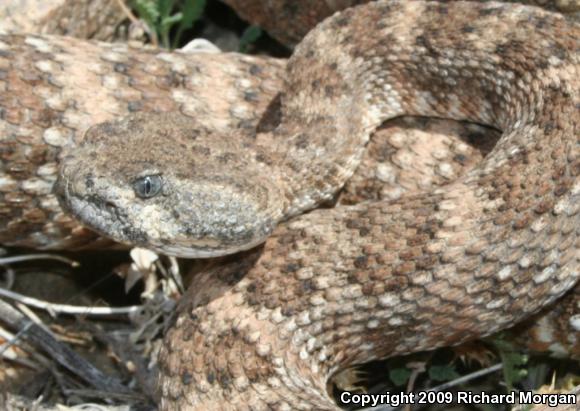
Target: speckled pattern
(280, 323)
(336, 287)
(396, 160)
(289, 20)
(94, 19)
(54, 88)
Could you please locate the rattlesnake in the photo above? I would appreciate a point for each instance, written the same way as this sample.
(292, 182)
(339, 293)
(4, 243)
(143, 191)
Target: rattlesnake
(40, 73)
(54, 87)
(289, 20)
(351, 284)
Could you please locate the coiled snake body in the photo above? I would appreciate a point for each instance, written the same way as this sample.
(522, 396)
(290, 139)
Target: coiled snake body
(352, 284)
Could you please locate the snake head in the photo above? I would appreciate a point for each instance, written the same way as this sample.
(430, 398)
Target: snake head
(162, 182)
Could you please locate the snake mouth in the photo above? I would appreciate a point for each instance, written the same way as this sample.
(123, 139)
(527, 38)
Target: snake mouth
(108, 220)
(98, 214)
(198, 234)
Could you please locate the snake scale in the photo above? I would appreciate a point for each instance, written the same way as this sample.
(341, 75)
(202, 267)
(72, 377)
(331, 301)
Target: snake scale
(111, 66)
(289, 20)
(337, 287)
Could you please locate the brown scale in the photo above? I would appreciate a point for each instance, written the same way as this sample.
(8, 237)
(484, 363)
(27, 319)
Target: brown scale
(289, 20)
(315, 302)
(94, 19)
(173, 80)
(69, 96)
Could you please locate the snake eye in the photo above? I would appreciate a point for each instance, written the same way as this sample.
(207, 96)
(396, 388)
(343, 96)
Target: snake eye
(148, 186)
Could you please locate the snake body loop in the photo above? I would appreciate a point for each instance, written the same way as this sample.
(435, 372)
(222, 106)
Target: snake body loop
(337, 287)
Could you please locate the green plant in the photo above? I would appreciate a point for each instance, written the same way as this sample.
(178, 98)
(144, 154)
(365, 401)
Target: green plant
(161, 16)
(249, 36)
(445, 372)
(399, 376)
(512, 360)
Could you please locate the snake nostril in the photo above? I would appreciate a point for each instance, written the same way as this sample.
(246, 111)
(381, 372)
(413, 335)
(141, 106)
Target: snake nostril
(89, 181)
(104, 204)
(110, 206)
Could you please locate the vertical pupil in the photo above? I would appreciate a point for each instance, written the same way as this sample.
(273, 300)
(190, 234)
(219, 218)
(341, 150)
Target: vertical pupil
(147, 186)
